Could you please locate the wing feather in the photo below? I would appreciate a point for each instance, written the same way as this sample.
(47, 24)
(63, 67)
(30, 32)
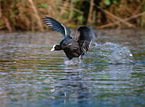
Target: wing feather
(84, 36)
(57, 26)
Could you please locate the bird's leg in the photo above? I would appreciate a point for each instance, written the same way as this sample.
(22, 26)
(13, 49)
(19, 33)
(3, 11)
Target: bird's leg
(80, 59)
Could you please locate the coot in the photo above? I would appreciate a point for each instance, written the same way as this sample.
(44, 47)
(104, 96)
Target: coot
(73, 47)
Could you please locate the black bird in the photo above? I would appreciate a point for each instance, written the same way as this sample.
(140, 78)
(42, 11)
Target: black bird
(72, 47)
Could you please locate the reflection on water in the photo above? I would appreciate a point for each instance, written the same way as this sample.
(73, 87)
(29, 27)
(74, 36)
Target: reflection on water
(31, 75)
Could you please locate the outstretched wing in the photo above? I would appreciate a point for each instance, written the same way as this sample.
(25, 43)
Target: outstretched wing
(57, 26)
(84, 36)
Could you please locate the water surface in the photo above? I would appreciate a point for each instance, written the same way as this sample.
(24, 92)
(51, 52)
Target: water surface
(108, 75)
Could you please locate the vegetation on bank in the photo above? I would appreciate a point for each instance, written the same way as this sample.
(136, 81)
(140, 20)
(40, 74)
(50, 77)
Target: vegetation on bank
(28, 14)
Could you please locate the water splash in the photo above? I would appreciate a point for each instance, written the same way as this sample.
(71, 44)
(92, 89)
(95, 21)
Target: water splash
(74, 61)
(109, 53)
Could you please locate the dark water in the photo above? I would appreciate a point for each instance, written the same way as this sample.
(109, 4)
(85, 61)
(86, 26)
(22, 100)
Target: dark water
(111, 74)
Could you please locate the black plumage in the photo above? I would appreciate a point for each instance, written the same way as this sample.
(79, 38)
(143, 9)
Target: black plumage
(72, 47)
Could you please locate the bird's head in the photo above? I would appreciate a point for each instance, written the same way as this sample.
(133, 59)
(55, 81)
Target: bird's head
(56, 47)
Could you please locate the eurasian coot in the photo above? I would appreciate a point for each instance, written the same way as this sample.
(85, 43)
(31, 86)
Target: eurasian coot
(72, 47)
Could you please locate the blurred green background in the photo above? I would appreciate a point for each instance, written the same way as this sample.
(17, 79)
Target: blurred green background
(26, 15)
